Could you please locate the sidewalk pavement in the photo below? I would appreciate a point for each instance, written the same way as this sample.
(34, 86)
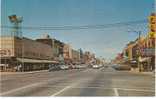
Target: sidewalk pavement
(152, 73)
(29, 72)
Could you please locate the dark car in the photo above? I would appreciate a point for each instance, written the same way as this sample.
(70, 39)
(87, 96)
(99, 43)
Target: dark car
(122, 67)
(54, 68)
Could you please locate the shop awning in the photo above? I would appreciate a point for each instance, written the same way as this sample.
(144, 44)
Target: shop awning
(25, 60)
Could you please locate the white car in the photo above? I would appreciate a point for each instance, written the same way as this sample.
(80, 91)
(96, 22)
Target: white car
(64, 67)
(96, 66)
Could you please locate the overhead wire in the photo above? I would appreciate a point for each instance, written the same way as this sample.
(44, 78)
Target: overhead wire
(80, 27)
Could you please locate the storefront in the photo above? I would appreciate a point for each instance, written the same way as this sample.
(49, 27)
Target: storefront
(33, 64)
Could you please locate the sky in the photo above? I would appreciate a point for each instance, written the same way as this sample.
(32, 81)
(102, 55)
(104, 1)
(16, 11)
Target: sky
(106, 42)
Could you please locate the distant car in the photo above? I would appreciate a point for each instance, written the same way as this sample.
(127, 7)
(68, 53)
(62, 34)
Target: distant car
(64, 67)
(95, 66)
(90, 66)
(77, 66)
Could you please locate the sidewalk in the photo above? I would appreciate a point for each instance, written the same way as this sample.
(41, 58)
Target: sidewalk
(29, 72)
(148, 73)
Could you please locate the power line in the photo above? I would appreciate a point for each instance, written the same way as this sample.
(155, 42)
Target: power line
(120, 24)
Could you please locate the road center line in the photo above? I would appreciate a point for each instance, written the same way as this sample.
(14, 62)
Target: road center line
(116, 91)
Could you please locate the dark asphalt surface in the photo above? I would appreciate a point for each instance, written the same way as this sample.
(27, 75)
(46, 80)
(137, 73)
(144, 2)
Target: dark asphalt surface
(83, 82)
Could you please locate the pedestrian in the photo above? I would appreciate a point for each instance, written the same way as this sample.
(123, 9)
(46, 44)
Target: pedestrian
(19, 67)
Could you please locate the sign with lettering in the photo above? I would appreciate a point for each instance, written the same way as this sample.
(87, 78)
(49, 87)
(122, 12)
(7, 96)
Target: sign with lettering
(5, 53)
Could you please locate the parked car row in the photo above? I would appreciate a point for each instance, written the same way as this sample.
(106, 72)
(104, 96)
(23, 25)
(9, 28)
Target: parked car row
(66, 67)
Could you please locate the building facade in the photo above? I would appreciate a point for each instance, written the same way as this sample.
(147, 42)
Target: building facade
(75, 56)
(67, 53)
(25, 53)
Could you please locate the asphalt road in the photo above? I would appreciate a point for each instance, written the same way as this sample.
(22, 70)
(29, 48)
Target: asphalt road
(84, 82)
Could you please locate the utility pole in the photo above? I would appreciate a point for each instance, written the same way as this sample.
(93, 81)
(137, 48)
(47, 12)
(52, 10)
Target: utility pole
(138, 50)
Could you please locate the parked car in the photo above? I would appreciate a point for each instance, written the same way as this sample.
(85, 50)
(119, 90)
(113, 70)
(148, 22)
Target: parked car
(81, 66)
(64, 67)
(122, 67)
(95, 66)
(71, 66)
(54, 68)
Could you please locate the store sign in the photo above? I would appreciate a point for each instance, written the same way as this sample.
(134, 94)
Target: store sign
(152, 26)
(148, 52)
(152, 34)
(5, 52)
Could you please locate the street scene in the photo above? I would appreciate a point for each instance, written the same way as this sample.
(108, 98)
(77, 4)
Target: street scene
(66, 48)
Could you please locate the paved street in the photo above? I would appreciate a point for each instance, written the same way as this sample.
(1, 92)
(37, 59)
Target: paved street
(82, 82)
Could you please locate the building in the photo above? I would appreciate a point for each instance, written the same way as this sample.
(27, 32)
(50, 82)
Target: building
(142, 50)
(89, 58)
(24, 54)
(119, 59)
(56, 45)
(67, 53)
(75, 56)
(81, 56)
(129, 50)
